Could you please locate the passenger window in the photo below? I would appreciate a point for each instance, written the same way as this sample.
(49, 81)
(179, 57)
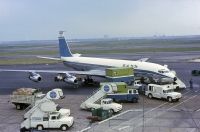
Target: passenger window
(129, 91)
(53, 118)
(163, 91)
(150, 88)
(45, 118)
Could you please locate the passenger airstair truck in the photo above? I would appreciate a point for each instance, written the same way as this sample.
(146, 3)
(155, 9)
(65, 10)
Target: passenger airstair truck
(98, 101)
(45, 114)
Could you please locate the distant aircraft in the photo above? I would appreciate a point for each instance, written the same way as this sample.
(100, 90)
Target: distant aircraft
(91, 66)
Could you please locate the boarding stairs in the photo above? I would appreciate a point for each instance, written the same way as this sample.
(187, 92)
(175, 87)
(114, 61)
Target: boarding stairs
(35, 107)
(99, 95)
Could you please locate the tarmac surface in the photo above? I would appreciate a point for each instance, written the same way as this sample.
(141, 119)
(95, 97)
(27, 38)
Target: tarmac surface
(147, 115)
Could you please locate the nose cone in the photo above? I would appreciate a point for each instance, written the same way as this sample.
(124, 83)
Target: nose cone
(170, 74)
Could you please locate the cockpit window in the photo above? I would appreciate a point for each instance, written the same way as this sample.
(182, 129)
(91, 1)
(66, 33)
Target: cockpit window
(163, 71)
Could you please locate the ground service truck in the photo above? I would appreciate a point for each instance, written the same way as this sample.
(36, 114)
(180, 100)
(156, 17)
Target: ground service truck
(131, 96)
(162, 92)
(23, 97)
(106, 104)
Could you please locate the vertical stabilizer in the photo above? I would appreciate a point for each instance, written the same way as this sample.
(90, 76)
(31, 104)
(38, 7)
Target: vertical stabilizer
(63, 46)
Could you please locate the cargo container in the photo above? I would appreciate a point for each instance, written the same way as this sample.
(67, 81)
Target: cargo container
(120, 75)
(117, 72)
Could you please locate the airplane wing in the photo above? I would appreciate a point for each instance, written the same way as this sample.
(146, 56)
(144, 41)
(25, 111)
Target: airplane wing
(143, 59)
(99, 73)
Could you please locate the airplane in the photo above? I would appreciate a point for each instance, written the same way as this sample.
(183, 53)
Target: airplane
(92, 66)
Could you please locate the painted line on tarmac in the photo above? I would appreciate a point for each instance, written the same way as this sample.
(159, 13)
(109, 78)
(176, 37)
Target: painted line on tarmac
(122, 128)
(115, 116)
(182, 102)
(168, 110)
(85, 129)
(131, 110)
(141, 114)
(186, 92)
(152, 109)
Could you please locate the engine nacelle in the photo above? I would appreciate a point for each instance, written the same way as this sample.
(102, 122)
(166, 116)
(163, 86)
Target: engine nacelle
(59, 77)
(70, 79)
(35, 77)
(66, 77)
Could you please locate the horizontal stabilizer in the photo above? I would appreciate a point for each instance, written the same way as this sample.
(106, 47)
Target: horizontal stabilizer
(143, 59)
(49, 58)
(76, 55)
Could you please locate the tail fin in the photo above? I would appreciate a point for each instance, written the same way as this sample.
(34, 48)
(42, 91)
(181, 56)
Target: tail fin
(63, 46)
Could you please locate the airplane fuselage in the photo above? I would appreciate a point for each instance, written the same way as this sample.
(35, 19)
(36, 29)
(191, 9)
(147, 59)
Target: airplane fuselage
(140, 67)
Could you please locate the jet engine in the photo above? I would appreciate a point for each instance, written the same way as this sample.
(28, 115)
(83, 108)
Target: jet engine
(70, 79)
(66, 77)
(59, 77)
(35, 77)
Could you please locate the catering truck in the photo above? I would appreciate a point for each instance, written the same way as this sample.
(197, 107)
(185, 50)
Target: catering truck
(162, 92)
(45, 114)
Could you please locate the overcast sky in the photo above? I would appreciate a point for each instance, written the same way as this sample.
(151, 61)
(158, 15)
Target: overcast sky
(42, 19)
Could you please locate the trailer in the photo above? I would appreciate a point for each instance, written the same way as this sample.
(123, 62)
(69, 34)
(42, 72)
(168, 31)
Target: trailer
(100, 114)
(131, 96)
